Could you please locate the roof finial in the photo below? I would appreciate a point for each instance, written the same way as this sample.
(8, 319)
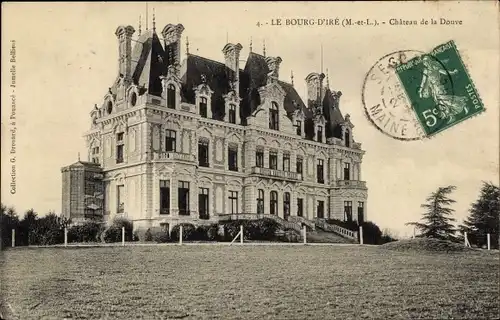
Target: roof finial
(78, 156)
(154, 20)
(322, 58)
(291, 76)
(327, 79)
(147, 21)
(187, 45)
(250, 44)
(264, 47)
(139, 25)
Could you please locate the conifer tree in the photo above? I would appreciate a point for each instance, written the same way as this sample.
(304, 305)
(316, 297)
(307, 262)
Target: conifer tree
(484, 216)
(436, 220)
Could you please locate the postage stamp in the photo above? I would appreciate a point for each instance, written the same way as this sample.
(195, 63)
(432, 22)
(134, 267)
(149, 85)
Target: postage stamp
(439, 89)
(385, 102)
(411, 95)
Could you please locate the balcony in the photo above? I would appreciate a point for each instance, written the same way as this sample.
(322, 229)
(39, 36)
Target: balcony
(276, 174)
(356, 184)
(173, 156)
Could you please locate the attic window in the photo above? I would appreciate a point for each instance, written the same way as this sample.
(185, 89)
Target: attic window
(133, 99)
(320, 134)
(298, 124)
(203, 107)
(347, 139)
(273, 116)
(232, 113)
(171, 96)
(109, 107)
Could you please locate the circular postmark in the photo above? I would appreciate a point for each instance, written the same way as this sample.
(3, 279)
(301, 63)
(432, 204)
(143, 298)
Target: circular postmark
(385, 101)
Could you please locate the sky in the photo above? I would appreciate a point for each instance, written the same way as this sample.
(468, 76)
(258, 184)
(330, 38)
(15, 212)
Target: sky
(67, 57)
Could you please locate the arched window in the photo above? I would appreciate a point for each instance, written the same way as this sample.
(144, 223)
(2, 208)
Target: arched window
(347, 138)
(274, 202)
(273, 116)
(260, 202)
(286, 204)
(171, 96)
(203, 107)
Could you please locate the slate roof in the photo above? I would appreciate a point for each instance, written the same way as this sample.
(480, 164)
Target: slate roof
(150, 60)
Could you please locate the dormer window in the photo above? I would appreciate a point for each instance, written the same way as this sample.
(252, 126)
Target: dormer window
(232, 113)
(347, 138)
(203, 107)
(133, 99)
(109, 107)
(171, 96)
(273, 116)
(320, 134)
(298, 125)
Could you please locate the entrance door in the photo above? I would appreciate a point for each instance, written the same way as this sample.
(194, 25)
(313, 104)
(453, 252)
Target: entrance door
(321, 209)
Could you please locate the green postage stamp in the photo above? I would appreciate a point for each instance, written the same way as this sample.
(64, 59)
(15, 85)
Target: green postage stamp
(439, 89)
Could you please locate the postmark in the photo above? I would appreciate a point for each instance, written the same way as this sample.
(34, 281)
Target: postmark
(385, 101)
(439, 89)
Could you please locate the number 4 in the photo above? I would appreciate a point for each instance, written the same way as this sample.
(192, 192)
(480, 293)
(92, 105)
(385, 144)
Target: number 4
(429, 116)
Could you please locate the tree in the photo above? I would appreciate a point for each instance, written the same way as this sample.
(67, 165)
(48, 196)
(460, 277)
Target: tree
(436, 218)
(484, 216)
(8, 221)
(28, 225)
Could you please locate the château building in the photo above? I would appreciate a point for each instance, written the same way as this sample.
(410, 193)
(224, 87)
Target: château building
(195, 139)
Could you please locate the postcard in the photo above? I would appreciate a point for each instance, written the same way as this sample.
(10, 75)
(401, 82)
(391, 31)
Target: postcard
(242, 160)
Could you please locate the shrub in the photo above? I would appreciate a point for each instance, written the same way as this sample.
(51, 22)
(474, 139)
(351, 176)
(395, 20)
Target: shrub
(289, 235)
(114, 232)
(261, 229)
(87, 232)
(205, 233)
(188, 230)
(158, 234)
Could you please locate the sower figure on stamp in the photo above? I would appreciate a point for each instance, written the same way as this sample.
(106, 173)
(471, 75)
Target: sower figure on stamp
(431, 86)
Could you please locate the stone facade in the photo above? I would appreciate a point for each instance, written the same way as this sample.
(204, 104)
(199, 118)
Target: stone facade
(177, 129)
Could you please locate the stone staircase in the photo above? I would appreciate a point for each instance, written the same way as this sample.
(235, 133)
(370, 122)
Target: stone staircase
(343, 232)
(320, 236)
(318, 230)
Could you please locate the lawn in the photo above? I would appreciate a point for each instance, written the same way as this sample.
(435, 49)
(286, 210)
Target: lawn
(248, 282)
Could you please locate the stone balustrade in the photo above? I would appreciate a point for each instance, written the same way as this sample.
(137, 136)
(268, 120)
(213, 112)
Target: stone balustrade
(173, 156)
(351, 184)
(279, 174)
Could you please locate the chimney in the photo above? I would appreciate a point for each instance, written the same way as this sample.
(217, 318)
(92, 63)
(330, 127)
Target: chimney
(274, 66)
(124, 35)
(314, 83)
(232, 59)
(172, 39)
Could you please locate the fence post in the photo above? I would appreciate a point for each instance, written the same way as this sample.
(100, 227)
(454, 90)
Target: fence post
(123, 236)
(241, 234)
(180, 234)
(304, 234)
(65, 236)
(360, 234)
(466, 240)
(13, 238)
(488, 240)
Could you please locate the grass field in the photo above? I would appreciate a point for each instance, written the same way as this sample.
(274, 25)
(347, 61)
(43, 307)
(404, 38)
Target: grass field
(248, 282)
